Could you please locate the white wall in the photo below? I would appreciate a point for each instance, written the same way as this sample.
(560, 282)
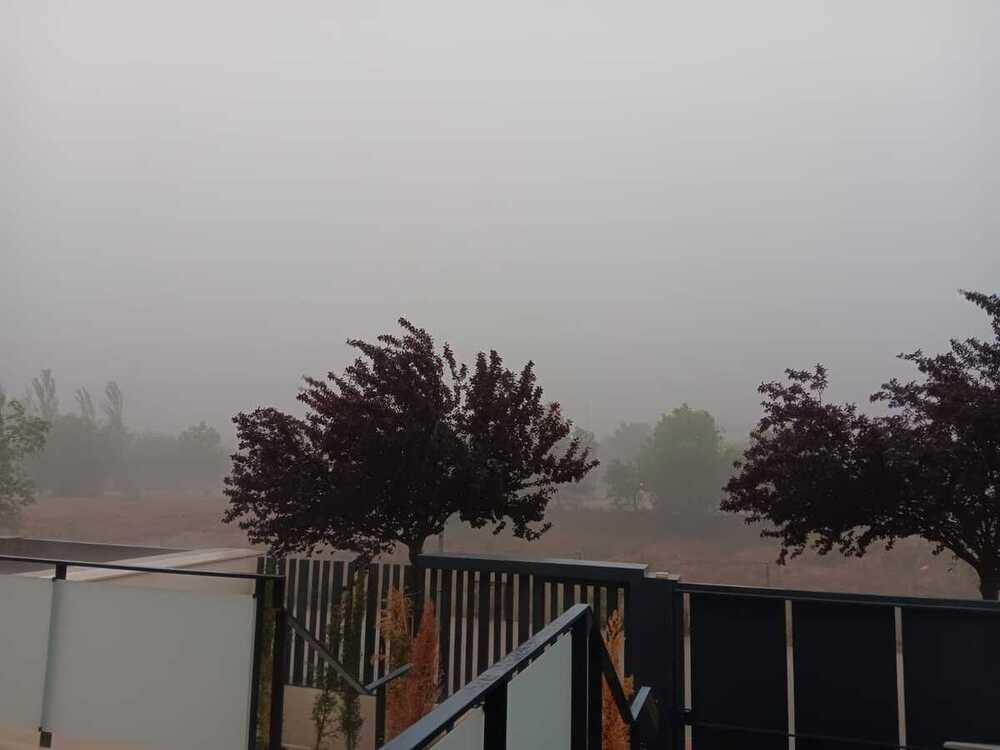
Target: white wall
(539, 701)
(165, 669)
(24, 638)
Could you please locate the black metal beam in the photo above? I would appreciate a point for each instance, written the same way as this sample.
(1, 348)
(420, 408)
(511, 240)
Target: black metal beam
(587, 570)
(136, 568)
(371, 687)
(325, 654)
(833, 597)
(607, 668)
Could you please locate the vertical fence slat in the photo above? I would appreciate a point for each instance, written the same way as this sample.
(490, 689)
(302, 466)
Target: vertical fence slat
(371, 613)
(432, 587)
(410, 588)
(610, 603)
(323, 625)
(312, 623)
(537, 603)
(456, 672)
(382, 645)
(386, 572)
(397, 572)
(508, 611)
(336, 597)
(497, 615)
(470, 619)
(483, 616)
(569, 595)
(301, 593)
(523, 607)
(444, 624)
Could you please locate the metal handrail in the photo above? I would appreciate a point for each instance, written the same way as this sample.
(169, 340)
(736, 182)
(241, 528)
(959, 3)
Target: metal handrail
(137, 568)
(427, 729)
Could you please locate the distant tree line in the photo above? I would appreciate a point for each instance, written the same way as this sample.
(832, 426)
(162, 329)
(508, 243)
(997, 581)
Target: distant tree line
(91, 450)
(674, 469)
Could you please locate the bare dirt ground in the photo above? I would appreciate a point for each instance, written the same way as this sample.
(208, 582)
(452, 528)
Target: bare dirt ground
(737, 557)
(162, 521)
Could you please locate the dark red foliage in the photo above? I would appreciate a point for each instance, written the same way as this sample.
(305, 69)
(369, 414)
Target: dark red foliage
(826, 476)
(398, 443)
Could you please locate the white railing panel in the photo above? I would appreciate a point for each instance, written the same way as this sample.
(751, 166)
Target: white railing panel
(161, 669)
(539, 701)
(467, 734)
(24, 636)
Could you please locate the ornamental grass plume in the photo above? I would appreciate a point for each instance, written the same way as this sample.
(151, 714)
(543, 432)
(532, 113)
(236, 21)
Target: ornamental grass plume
(615, 733)
(414, 695)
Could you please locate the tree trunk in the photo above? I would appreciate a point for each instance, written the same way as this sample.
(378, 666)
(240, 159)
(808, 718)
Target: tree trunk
(416, 548)
(414, 583)
(989, 584)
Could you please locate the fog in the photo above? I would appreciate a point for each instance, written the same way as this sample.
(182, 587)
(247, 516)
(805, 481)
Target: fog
(656, 202)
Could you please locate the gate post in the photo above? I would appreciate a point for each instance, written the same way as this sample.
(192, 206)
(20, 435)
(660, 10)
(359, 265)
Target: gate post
(652, 646)
(279, 669)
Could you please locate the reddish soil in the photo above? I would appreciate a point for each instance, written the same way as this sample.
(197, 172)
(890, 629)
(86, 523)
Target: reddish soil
(172, 521)
(737, 556)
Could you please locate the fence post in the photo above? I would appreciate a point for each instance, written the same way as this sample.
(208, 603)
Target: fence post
(259, 592)
(651, 644)
(279, 670)
(595, 684)
(585, 687)
(495, 719)
(44, 733)
(380, 710)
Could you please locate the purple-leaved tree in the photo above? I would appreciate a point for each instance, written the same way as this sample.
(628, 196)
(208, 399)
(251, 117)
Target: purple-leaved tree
(401, 441)
(827, 476)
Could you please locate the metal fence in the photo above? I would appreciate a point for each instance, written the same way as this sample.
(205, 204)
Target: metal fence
(836, 670)
(729, 666)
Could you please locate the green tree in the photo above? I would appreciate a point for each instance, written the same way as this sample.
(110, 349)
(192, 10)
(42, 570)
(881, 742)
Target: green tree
(200, 456)
(43, 391)
(624, 484)
(77, 458)
(685, 463)
(572, 495)
(75, 461)
(20, 435)
(150, 463)
(625, 442)
(116, 437)
(88, 411)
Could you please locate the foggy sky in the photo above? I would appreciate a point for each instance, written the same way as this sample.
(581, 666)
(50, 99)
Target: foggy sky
(658, 202)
